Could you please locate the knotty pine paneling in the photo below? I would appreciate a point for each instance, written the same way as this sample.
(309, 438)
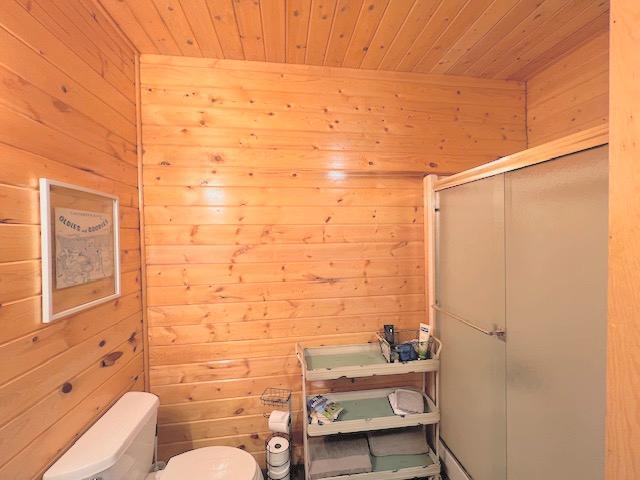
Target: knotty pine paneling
(570, 95)
(493, 39)
(67, 109)
(283, 204)
(622, 459)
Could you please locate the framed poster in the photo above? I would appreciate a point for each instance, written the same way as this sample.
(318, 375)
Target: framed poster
(80, 248)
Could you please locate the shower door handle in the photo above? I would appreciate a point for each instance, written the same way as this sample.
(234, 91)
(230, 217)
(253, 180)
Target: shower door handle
(498, 332)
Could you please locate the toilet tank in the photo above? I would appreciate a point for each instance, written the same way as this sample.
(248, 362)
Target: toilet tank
(118, 446)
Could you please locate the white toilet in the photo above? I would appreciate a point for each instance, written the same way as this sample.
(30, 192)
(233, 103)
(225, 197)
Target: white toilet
(120, 445)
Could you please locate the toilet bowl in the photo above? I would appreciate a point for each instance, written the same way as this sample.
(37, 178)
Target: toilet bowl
(120, 446)
(213, 463)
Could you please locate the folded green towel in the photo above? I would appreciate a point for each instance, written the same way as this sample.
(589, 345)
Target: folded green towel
(407, 441)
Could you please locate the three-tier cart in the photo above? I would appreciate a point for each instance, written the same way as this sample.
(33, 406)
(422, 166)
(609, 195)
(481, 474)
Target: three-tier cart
(368, 410)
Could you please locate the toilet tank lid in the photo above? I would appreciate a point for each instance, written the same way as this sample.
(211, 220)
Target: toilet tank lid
(104, 443)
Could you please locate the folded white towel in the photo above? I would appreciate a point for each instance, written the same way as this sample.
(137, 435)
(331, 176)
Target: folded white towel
(410, 400)
(406, 402)
(393, 400)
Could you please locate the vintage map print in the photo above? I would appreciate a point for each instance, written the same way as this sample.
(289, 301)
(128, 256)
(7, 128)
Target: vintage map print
(83, 246)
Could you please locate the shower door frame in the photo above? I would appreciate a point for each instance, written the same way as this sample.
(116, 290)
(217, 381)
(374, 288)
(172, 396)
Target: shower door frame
(432, 184)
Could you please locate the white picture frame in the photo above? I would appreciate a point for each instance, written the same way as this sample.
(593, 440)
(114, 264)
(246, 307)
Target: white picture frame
(48, 245)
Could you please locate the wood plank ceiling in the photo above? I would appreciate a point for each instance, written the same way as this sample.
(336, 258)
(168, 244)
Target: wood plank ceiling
(511, 39)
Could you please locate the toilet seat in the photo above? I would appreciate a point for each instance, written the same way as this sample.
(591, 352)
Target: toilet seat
(212, 463)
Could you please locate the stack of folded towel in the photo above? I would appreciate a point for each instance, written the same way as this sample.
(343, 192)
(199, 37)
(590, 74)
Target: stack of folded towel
(406, 402)
(336, 455)
(407, 441)
(339, 455)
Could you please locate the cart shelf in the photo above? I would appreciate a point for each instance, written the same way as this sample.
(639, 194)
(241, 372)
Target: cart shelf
(397, 467)
(356, 361)
(368, 410)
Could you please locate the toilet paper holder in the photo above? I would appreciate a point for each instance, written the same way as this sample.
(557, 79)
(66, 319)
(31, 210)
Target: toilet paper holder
(279, 399)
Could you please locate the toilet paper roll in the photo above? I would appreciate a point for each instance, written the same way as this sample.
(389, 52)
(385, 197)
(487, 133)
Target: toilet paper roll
(279, 421)
(279, 473)
(286, 477)
(277, 452)
(281, 470)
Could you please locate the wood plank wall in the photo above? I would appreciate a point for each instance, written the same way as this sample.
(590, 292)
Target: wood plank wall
(623, 334)
(67, 110)
(570, 95)
(283, 203)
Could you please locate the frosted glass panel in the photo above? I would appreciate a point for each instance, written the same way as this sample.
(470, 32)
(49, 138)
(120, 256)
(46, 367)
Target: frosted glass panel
(471, 251)
(556, 225)
(471, 285)
(472, 398)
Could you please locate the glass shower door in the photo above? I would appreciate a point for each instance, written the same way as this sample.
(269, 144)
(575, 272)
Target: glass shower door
(471, 289)
(556, 226)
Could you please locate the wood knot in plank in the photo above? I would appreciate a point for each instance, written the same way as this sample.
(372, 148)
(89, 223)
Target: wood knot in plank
(110, 359)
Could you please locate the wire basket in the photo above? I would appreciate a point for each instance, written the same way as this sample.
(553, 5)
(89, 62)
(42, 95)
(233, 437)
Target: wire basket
(276, 397)
(407, 348)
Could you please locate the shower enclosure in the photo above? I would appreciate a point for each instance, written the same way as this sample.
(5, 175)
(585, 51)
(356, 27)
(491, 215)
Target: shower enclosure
(520, 304)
